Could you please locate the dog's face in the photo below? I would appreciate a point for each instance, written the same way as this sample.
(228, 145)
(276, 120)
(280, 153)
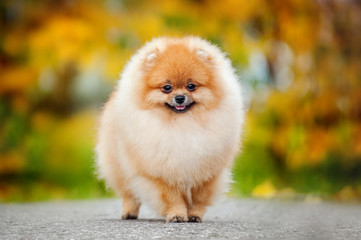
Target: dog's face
(179, 80)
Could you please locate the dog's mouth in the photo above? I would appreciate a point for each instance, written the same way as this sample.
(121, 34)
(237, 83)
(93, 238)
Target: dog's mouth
(180, 108)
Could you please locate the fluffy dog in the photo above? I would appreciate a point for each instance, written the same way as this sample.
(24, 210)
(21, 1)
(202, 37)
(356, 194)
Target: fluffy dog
(171, 129)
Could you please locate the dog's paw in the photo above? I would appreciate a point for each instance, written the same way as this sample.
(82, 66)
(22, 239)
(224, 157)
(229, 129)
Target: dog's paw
(194, 219)
(129, 217)
(177, 219)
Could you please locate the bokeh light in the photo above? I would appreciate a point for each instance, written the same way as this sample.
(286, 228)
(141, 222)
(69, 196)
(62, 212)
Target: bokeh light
(299, 62)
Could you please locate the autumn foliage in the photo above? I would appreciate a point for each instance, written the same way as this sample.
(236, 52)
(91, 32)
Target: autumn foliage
(299, 62)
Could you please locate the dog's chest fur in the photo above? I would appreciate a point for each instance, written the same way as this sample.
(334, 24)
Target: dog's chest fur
(183, 150)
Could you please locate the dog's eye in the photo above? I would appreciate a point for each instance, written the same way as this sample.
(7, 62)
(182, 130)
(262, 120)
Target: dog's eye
(167, 88)
(191, 87)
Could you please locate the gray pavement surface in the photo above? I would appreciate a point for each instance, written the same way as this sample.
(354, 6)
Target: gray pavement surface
(229, 219)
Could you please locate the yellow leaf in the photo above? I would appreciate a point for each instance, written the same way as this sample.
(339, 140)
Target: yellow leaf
(264, 190)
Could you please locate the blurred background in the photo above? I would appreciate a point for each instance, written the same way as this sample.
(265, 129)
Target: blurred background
(299, 62)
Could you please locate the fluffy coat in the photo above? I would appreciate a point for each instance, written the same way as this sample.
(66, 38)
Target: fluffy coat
(177, 162)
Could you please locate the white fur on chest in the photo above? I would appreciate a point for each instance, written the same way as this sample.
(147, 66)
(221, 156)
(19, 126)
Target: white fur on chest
(182, 149)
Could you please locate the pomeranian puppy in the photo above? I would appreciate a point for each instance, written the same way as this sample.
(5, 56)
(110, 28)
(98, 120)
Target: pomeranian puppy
(171, 129)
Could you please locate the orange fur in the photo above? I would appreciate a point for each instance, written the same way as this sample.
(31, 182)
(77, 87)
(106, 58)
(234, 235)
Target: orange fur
(131, 205)
(201, 197)
(179, 65)
(174, 161)
(174, 203)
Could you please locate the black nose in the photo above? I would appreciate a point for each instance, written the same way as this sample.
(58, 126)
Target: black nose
(179, 99)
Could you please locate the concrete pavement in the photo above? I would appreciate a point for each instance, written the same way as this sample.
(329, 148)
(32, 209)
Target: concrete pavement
(229, 219)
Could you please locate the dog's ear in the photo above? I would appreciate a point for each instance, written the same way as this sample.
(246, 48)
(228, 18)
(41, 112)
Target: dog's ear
(151, 58)
(204, 55)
